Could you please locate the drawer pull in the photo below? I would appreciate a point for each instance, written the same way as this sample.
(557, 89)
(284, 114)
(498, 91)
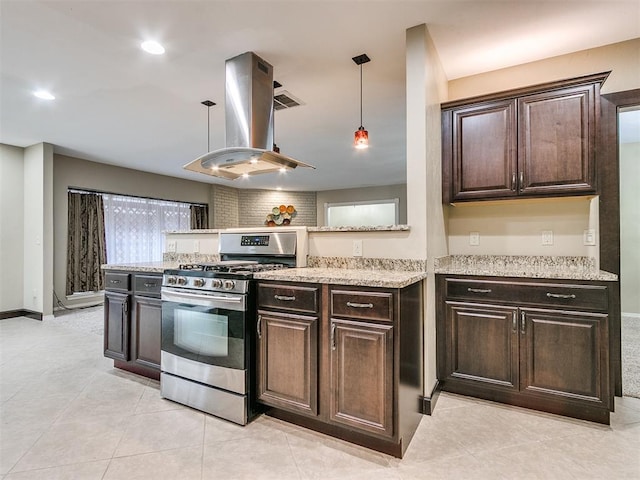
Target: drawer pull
(479, 290)
(285, 298)
(150, 284)
(560, 295)
(359, 305)
(114, 281)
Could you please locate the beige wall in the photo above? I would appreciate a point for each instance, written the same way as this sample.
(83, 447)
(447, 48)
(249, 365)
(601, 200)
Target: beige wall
(363, 195)
(630, 227)
(75, 172)
(11, 228)
(621, 58)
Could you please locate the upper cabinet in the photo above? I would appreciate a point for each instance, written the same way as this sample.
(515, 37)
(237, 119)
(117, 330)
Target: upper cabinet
(536, 141)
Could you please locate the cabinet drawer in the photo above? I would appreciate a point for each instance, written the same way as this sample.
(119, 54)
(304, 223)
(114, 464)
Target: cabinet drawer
(583, 296)
(292, 298)
(148, 285)
(362, 305)
(117, 281)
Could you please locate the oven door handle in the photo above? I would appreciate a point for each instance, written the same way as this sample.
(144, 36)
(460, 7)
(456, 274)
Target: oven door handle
(180, 296)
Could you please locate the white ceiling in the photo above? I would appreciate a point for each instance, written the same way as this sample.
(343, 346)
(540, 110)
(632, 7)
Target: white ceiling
(116, 104)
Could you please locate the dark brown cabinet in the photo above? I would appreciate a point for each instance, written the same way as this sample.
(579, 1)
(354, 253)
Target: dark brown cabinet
(362, 376)
(132, 321)
(288, 359)
(535, 141)
(332, 358)
(116, 325)
(539, 344)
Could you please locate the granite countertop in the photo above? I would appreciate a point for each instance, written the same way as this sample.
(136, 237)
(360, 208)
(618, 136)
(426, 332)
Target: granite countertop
(376, 228)
(150, 267)
(345, 276)
(570, 268)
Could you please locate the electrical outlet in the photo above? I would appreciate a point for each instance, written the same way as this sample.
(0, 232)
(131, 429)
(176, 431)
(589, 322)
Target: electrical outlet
(547, 237)
(196, 246)
(357, 248)
(589, 237)
(474, 239)
(172, 246)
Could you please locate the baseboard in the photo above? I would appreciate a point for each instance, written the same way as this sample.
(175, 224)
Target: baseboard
(429, 403)
(20, 313)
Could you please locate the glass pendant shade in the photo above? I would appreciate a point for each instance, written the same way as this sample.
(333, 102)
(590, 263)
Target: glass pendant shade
(361, 138)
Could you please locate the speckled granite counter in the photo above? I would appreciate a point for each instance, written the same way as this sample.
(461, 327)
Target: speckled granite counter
(376, 228)
(570, 268)
(149, 267)
(345, 276)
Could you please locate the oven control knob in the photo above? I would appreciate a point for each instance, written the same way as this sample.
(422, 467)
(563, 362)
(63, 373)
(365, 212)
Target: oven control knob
(229, 284)
(181, 281)
(216, 283)
(171, 280)
(199, 282)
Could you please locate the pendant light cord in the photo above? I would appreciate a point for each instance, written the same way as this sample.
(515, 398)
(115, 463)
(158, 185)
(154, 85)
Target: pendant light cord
(208, 127)
(361, 95)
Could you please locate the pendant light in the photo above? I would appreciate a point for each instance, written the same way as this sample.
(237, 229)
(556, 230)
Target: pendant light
(361, 139)
(208, 104)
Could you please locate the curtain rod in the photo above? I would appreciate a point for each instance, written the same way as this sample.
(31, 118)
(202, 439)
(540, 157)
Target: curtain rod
(101, 192)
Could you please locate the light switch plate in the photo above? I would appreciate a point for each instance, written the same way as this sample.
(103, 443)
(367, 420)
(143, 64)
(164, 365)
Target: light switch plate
(171, 246)
(474, 239)
(196, 246)
(547, 237)
(357, 248)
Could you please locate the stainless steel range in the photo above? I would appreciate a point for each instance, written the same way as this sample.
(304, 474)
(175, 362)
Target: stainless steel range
(208, 358)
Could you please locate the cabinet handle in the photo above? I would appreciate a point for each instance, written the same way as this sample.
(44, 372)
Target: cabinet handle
(359, 305)
(513, 182)
(522, 323)
(521, 180)
(333, 336)
(259, 326)
(514, 321)
(150, 284)
(479, 290)
(114, 281)
(560, 295)
(284, 298)
(125, 308)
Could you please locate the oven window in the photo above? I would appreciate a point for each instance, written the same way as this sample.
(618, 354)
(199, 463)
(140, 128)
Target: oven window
(201, 333)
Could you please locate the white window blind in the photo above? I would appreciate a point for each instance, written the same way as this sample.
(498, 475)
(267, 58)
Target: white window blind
(134, 226)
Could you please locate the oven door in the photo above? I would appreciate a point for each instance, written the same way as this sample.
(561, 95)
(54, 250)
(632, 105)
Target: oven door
(204, 327)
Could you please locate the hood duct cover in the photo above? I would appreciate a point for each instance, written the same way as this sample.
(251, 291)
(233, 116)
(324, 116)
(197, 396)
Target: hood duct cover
(248, 124)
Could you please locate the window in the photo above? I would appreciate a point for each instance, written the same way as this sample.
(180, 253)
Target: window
(359, 214)
(134, 226)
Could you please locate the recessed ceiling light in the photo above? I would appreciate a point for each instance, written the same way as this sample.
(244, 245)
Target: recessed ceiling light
(152, 47)
(44, 95)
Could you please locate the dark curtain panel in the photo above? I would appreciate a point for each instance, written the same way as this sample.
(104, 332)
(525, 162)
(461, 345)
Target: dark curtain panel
(86, 247)
(199, 217)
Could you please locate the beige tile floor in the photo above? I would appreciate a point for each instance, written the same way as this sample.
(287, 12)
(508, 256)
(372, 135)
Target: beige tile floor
(66, 413)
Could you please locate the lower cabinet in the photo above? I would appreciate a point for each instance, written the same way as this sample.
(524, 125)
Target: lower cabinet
(146, 329)
(132, 321)
(548, 355)
(337, 363)
(116, 325)
(288, 359)
(362, 376)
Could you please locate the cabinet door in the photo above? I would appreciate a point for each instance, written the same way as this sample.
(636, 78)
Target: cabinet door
(482, 345)
(362, 376)
(146, 330)
(116, 325)
(556, 141)
(288, 362)
(484, 151)
(564, 354)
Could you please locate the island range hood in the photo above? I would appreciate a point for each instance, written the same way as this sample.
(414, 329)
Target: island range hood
(248, 124)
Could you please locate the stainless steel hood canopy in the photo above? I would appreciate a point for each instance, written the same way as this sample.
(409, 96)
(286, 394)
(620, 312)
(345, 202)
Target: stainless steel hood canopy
(248, 124)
